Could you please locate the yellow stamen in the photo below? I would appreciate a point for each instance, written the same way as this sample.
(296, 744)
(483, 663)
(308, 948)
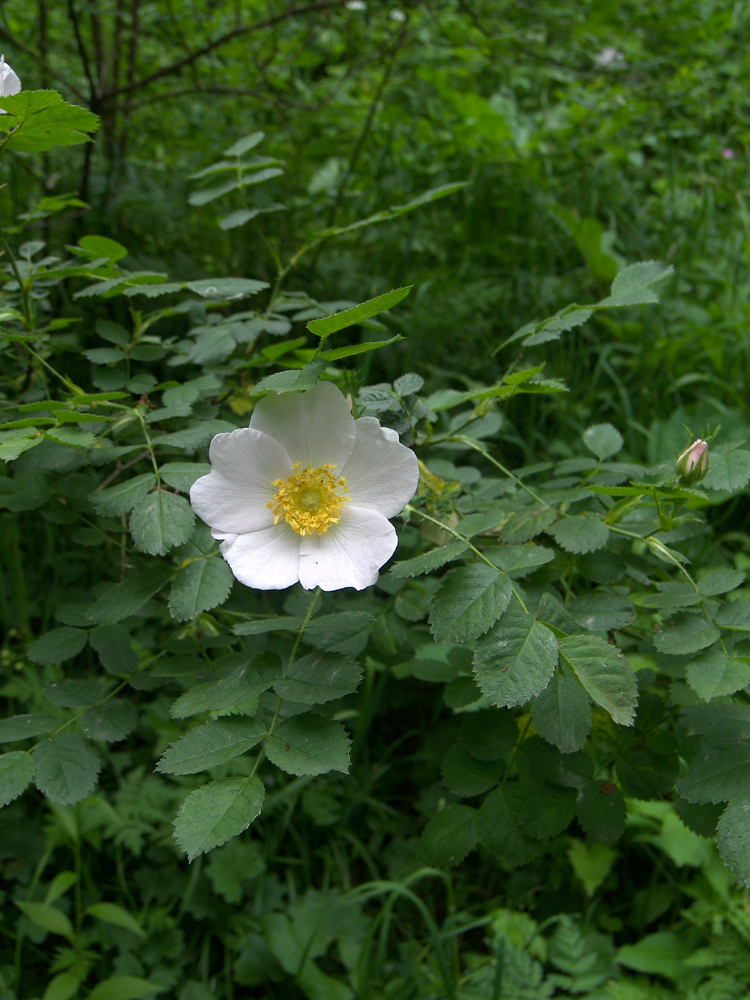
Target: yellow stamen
(310, 499)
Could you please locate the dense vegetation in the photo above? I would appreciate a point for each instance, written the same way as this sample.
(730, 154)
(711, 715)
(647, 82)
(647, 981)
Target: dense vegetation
(518, 765)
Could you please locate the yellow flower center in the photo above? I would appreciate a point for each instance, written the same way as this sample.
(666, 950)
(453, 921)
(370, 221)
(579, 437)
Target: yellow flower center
(310, 499)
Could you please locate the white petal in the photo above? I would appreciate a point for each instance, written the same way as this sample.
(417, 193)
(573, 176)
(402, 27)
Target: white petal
(9, 83)
(267, 559)
(381, 473)
(314, 427)
(234, 496)
(350, 553)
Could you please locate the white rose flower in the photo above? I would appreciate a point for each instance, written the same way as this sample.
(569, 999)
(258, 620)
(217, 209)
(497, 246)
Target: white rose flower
(305, 492)
(9, 82)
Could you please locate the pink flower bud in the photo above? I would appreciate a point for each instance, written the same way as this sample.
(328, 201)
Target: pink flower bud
(692, 465)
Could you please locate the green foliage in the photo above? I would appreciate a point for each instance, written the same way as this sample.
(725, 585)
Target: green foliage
(517, 765)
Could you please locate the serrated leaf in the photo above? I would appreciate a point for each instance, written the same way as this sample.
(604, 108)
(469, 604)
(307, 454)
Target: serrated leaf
(716, 674)
(125, 599)
(66, 768)
(516, 660)
(499, 827)
(601, 811)
(733, 839)
(58, 645)
(633, 285)
(244, 683)
(580, 533)
(211, 744)
(181, 475)
(685, 633)
(466, 776)
(488, 734)
(324, 327)
(16, 773)
(562, 713)
(292, 381)
(308, 744)
(75, 693)
(546, 810)
(226, 289)
(46, 121)
(601, 611)
(728, 470)
(338, 353)
(342, 632)
(212, 815)
(112, 644)
(200, 586)
(720, 581)
(318, 678)
(161, 521)
(244, 145)
(603, 439)
(449, 836)
(604, 672)
(718, 770)
(428, 561)
(22, 727)
(110, 722)
(469, 602)
(524, 525)
(121, 499)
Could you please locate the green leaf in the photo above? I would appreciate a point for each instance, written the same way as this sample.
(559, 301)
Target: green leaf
(516, 660)
(110, 722)
(200, 586)
(733, 839)
(343, 632)
(499, 826)
(591, 863)
(546, 810)
(449, 836)
(324, 327)
(466, 776)
(562, 713)
(125, 599)
(45, 121)
(663, 953)
(603, 439)
(633, 285)
(720, 581)
(519, 560)
(23, 727)
(58, 645)
(211, 744)
(687, 632)
(226, 289)
(601, 611)
(240, 686)
(76, 693)
(294, 380)
(161, 521)
(601, 811)
(116, 654)
(728, 470)
(716, 674)
(308, 744)
(181, 475)
(523, 525)
(289, 623)
(49, 918)
(488, 734)
(121, 499)
(16, 773)
(244, 145)
(718, 770)
(469, 602)
(318, 678)
(605, 674)
(212, 815)
(349, 352)
(66, 768)
(113, 914)
(580, 533)
(429, 561)
(63, 986)
(124, 988)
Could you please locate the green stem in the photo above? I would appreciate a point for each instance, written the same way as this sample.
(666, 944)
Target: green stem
(506, 472)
